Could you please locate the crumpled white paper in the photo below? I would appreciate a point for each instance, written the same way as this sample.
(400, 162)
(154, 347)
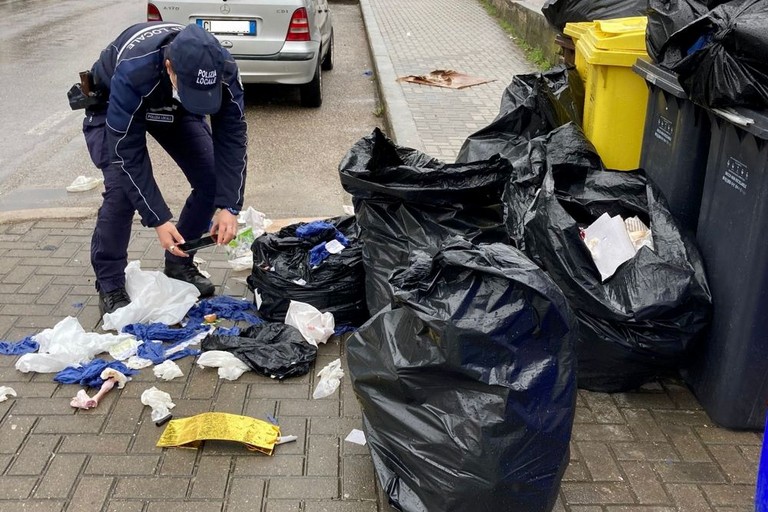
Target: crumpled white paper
(167, 370)
(230, 367)
(66, 344)
(330, 378)
(83, 183)
(159, 401)
(5, 391)
(154, 298)
(316, 327)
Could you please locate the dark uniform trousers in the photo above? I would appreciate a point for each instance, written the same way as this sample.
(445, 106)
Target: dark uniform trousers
(188, 141)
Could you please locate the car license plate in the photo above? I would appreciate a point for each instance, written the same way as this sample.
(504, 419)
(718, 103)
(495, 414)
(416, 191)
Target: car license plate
(229, 27)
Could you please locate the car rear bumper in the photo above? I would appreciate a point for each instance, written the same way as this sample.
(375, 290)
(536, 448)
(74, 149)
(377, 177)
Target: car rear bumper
(293, 68)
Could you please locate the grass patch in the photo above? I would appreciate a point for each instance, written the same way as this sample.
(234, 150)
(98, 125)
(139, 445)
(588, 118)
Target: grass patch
(532, 53)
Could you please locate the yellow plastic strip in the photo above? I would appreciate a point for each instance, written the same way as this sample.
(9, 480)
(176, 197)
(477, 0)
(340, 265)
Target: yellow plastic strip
(255, 434)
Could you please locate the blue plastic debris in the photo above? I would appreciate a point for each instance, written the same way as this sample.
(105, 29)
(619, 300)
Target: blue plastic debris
(17, 348)
(223, 306)
(761, 490)
(89, 374)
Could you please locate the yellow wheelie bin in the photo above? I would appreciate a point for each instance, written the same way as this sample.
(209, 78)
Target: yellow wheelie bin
(616, 97)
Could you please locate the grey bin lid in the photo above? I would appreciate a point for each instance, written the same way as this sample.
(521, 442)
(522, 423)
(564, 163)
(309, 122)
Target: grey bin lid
(659, 77)
(752, 121)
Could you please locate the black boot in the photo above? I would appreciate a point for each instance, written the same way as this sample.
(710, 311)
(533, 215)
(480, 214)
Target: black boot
(109, 302)
(190, 274)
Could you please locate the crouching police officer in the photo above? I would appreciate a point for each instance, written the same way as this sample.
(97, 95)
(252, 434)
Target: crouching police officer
(163, 79)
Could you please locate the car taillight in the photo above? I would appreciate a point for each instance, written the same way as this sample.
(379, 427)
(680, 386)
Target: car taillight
(153, 13)
(298, 30)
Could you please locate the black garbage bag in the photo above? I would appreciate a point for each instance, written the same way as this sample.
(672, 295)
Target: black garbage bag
(720, 57)
(560, 12)
(405, 200)
(665, 17)
(275, 350)
(532, 105)
(638, 324)
(284, 270)
(467, 383)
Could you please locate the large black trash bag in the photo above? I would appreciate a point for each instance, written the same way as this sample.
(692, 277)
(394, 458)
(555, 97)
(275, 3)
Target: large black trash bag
(560, 12)
(405, 200)
(720, 57)
(532, 105)
(282, 260)
(637, 325)
(273, 349)
(665, 17)
(563, 148)
(467, 384)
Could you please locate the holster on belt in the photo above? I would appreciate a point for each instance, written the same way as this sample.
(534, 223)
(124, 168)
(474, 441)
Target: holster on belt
(85, 94)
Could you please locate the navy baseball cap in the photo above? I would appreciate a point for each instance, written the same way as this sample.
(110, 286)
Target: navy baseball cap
(197, 59)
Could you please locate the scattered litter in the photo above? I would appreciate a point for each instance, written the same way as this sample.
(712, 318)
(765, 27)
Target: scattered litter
(612, 241)
(137, 363)
(125, 349)
(348, 210)
(343, 329)
(111, 378)
(330, 378)
(5, 391)
(160, 402)
(446, 78)
(367, 72)
(285, 439)
(17, 348)
(198, 262)
(257, 435)
(154, 298)
(356, 436)
(273, 349)
(316, 327)
(167, 370)
(209, 319)
(609, 243)
(225, 307)
(66, 344)
(239, 249)
(90, 374)
(230, 367)
(78, 305)
(83, 183)
(272, 419)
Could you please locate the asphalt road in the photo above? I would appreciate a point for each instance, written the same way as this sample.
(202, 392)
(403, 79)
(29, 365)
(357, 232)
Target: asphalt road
(293, 152)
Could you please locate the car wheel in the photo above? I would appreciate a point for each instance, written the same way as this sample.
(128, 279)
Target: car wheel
(312, 93)
(328, 60)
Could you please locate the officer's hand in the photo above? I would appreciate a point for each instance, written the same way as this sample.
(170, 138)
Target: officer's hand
(169, 238)
(224, 227)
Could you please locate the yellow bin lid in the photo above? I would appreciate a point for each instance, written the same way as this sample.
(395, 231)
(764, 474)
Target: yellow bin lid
(618, 42)
(577, 29)
(619, 34)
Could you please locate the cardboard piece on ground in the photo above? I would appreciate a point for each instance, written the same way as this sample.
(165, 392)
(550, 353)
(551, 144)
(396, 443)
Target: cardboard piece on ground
(445, 78)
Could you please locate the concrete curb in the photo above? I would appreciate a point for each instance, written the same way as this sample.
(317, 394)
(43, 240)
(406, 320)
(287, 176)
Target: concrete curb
(32, 214)
(402, 127)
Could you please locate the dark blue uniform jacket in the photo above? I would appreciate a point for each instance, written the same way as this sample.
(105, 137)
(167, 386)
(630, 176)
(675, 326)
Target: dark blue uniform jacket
(132, 69)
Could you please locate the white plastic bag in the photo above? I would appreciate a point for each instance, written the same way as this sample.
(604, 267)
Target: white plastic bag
(239, 249)
(330, 378)
(230, 367)
(159, 401)
(66, 344)
(608, 241)
(316, 327)
(167, 370)
(83, 183)
(154, 298)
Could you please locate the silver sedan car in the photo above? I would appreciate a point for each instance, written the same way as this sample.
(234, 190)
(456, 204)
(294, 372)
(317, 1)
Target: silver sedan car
(273, 41)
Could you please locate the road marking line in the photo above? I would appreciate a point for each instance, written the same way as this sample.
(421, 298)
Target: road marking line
(46, 124)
